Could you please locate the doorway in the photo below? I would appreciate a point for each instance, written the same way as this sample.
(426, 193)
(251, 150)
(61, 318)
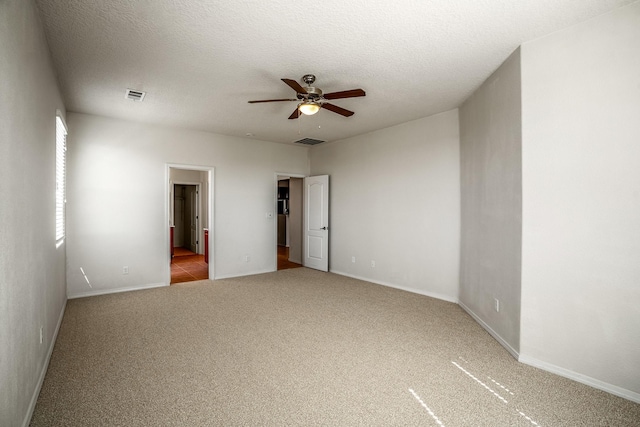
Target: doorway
(302, 233)
(188, 262)
(190, 213)
(289, 222)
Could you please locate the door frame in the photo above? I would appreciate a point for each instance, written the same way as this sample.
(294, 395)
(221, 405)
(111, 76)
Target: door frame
(168, 203)
(277, 176)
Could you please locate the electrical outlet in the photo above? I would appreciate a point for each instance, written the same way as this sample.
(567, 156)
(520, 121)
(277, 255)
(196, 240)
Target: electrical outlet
(373, 264)
(353, 259)
(41, 335)
(497, 304)
(125, 269)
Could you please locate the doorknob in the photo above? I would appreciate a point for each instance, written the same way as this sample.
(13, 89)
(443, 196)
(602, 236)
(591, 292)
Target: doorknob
(324, 228)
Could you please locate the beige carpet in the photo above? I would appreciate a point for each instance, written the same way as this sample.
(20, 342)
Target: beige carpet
(297, 347)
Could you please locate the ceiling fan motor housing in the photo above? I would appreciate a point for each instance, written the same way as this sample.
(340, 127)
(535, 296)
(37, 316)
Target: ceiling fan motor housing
(313, 93)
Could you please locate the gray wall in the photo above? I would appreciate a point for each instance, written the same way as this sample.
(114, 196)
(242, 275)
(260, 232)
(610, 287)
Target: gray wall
(105, 155)
(395, 200)
(581, 206)
(32, 269)
(491, 191)
(559, 120)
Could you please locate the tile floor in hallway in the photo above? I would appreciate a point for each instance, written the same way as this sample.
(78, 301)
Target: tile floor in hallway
(187, 266)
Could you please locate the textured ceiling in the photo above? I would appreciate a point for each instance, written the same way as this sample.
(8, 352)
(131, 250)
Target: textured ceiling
(201, 61)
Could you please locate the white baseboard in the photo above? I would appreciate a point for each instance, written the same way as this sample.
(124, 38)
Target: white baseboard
(404, 288)
(575, 376)
(493, 333)
(43, 371)
(115, 291)
(584, 379)
(248, 273)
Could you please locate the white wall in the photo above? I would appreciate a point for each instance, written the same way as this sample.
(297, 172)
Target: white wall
(185, 175)
(32, 278)
(581, 206)
(109, 228)
(395, 199)
(491, 166)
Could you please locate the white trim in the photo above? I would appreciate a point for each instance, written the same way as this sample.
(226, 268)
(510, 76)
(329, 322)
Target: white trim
(557, 370)
(115, 291)
(584, 379)
(402, 288)
(493, 333)
(43, 371)
(251, 273)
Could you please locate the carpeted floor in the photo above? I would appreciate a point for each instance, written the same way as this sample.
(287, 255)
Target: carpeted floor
(297, 347)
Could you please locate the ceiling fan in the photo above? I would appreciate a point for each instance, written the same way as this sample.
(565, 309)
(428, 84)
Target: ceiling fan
(311, 99)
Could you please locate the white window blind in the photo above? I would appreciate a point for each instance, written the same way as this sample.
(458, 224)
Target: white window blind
(61, 165)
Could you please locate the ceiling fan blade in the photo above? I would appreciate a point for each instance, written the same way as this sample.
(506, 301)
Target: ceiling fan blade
(353, 93)
(337, 109)
(295, 114)
(294, 85)
(271, 100)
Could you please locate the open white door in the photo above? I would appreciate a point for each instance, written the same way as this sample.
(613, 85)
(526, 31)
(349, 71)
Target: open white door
(316, 222)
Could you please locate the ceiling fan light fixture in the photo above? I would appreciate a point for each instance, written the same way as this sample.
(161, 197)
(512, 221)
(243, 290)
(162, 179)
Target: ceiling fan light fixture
(310, 99)
(309, 108)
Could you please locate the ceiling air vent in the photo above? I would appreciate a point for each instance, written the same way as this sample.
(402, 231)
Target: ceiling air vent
(135, 95)
(308, 141)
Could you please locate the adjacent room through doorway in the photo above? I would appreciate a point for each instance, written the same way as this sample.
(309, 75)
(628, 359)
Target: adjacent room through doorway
(185, 217)
(189, 218)
(302, 226)
(289, 222)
